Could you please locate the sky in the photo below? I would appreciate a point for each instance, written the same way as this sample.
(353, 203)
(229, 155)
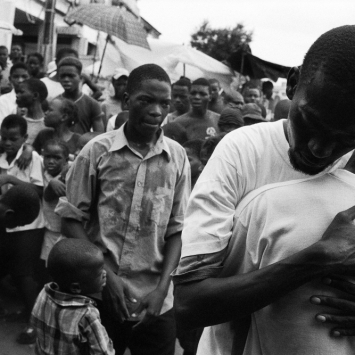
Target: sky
(283, 30)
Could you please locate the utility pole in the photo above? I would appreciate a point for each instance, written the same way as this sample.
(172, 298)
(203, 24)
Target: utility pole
(48, 31)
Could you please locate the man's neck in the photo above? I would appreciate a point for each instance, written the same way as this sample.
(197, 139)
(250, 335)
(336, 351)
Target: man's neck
(143, 144)
(63, 132)
(72, 95)
(198, 113)
(10, 158)
(35, 112)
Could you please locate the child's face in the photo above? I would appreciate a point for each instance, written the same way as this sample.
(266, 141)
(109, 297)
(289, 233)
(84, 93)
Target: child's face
(12, 140)
(24, 96)
(18, 76)
(252, 96)
(16, 51)
(69, 78)
(3, 55)
(54, 117)
(95, 279)
(54, 159)
(120, 85)
(33, 65)
(195, 163)
(214, 91)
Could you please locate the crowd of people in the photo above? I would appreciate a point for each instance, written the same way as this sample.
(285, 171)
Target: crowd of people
(229, 193)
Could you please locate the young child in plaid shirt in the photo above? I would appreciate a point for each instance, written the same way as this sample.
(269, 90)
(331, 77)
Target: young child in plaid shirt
(65, 319)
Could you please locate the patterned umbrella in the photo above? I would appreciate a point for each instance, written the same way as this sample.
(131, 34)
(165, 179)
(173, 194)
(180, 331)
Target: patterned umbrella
(112, 20)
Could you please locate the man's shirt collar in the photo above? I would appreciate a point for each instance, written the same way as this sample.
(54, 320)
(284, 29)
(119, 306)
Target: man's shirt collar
(120, 141)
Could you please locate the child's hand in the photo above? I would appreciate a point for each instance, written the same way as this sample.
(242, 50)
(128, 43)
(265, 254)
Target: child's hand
(58, 187)
(26, 157)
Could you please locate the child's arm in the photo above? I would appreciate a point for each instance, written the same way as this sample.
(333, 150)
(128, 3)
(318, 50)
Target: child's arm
(13, 180)
(54, 190)
(26, 157)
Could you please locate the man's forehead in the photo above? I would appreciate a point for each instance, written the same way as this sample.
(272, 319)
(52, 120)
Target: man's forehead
(68, 69)
(153, 85)
(12, 131)
(199, 88)
(180, 89)
(19, 72)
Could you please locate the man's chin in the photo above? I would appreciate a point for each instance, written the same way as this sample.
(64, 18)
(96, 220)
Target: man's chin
(301, 166)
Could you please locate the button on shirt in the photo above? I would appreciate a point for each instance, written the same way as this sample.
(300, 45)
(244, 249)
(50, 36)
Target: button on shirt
(131, 204)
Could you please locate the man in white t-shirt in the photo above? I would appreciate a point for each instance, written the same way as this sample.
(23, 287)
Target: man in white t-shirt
(266, 230)
(319, 132)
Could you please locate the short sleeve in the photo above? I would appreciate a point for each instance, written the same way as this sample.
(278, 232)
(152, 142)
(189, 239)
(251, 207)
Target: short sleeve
(80, 190)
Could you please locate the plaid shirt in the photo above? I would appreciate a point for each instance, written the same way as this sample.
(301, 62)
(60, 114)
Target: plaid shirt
(68, 324)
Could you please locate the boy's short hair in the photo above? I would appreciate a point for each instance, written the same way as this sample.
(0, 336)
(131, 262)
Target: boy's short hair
(183, 82)
(143, 73)
(38, 86)
(195, 146)
(176, 132)
(202, 82)
(70, 260)
(18, 65)
(63, 52)
(63, 145)
(4, 47)
(24, 201)
(267, 85)
(70, 109)
(14, 121)
(71, 62)
(37, 55)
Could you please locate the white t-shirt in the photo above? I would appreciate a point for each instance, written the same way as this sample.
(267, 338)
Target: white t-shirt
(271, 224)
(32, 174)
(8, 105)
(33, 128)
(246, 159)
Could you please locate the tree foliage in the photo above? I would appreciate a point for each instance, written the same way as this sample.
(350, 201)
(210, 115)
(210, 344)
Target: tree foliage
(219, 43)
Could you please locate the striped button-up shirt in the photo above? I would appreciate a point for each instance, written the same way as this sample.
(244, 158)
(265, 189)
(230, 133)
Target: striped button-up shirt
(130, 204)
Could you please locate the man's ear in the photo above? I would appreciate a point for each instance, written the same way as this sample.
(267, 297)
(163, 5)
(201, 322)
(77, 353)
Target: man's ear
(75, 288)
(292, 82)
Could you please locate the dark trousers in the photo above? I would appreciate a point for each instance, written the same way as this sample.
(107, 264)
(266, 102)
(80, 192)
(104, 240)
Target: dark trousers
(156, 338)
